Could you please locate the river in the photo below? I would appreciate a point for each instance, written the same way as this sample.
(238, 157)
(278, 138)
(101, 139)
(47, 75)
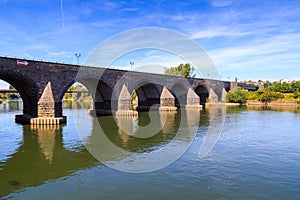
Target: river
(256, 156)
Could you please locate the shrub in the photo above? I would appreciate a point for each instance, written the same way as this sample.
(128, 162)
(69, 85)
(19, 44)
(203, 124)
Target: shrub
(238, 96)
(271, 96)
(252, 96)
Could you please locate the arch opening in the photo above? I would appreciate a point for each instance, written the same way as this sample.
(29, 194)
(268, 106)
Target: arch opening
(202, 92)
(96, 97)
(78, 97)
(147, 96)
(10, 98)
(180, 94)
(22, 89)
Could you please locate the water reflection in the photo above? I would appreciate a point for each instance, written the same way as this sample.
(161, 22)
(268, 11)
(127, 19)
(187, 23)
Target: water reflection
(77, 105)
(153, 140)
(293, 109)
(217, 115)
(11, 106)
(135, 134)
(40, 158)
(43, 156)
(46, 139)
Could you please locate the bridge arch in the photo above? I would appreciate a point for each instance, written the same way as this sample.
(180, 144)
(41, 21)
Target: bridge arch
(27, 89)
(100, 91)
(148, 94)
(203, 93)
(179, 91)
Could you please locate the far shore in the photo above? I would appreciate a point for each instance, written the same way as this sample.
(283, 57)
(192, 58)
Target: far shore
(77, 100)
(257, 104)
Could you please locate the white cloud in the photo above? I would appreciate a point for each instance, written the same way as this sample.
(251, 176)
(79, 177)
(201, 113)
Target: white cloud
(58, 53)
(220, 31)
(221, 3)
(108, 6)
(277, 52)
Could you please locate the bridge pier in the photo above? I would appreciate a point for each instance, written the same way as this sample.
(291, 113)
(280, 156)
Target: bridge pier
(213, 97)
(125, 107)
(49, 110)
(192, 100)
(167, 101)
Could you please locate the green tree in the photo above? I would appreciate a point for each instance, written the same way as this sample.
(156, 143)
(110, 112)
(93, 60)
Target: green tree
(253, 95)
(238, 96)
(181, 70)
(296, 86)
(271, 96)
(267, 84)
(281, 87)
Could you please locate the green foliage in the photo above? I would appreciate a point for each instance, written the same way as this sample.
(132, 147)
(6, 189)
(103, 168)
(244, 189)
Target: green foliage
(78, 96)
(296, 86)
(10, 96)
(273, 92)
(283, 87)
(267, 84)
(261, 91)
(296, 95)
(238, 96)
(253, 95)
(181, 70)
(271, 96)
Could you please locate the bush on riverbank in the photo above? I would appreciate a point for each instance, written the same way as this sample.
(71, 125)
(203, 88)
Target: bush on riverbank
(238, 96)
(265, 95)
(271, 96)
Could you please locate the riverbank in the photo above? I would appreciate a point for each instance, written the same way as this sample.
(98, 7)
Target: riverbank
(273, 103)
(209, 104)
(79, 100)
(257, 103)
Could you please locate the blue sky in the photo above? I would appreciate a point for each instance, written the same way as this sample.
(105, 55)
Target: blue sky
(245, 39)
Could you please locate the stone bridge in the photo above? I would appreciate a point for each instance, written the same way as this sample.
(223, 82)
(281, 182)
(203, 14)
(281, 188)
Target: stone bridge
(42, 86)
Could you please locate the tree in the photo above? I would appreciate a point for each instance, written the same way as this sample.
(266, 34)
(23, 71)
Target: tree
(238, 96)
(271, 96)
(281, 87)
(296, 86)
(267, 84)
(296, 95)
(181, 70)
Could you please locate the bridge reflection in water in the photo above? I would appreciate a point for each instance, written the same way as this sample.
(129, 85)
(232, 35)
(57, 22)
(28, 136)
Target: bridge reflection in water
(43, 155)
(11, 105)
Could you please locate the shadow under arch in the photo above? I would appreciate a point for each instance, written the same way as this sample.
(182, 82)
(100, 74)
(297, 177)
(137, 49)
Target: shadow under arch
(148, 95)
(179, 91)
(26, 88)
(101, 94)
(203, 93)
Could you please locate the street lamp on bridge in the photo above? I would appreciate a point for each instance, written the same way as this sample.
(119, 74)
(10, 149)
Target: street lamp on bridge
(77, 55)
(131, 63)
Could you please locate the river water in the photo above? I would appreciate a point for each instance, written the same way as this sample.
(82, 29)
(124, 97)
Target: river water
(256, 156)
